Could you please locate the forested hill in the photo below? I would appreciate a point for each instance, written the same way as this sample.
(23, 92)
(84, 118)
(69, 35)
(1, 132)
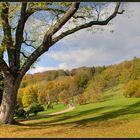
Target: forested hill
(84, 84)
(53, 75)
(124, 67)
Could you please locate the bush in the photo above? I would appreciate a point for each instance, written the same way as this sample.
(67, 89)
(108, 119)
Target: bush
(20, 112)
(131, 89)
(66, 101)
(81, 99)
(34, 108)
(50, 106)
(91, 96)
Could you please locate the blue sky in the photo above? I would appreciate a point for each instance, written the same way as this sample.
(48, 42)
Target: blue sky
(85, 48)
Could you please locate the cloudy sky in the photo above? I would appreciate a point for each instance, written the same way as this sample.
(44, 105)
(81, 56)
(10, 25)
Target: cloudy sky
(86, 48)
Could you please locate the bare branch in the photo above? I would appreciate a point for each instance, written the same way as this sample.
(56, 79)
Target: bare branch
(26, 40)
(24, 55)
(30, 44)
(76, 17)
(121, 12)
(97, 11)
(20, 52)
(89, 24)
(31, 59)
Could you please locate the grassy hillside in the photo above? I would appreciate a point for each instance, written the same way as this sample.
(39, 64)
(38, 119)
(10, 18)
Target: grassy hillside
(84, 83)
(113, 116)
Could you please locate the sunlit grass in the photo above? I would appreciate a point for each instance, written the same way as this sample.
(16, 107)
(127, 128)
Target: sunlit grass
(56, 108)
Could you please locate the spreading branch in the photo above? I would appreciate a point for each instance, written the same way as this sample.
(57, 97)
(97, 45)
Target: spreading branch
(48, 38)
(89, 24)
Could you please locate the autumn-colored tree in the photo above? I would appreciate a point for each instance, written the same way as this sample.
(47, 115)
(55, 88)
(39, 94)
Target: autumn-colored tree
(49, 90)
(125, 74)
(29, 96)
(135, 68)
(98, 70)
(42, 96)
(73, 88)
(111, 75)
(94, 90)
(131, 88)
(81, 99)
(64, 97)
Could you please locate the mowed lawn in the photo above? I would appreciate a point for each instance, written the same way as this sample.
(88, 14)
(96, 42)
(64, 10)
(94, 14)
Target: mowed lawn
(113, 116)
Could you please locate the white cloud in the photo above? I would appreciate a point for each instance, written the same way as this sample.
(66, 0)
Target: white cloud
(62, 66)
(40, 69)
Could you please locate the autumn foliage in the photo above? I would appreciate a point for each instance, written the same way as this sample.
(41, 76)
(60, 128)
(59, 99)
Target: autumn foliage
(79, 86)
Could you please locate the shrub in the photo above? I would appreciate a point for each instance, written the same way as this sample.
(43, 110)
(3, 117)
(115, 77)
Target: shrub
(92, 96)
(81, 99)
(50, 106)
(34, 108)
(137, 94)
(30, 96)
(20, 112)
(66, 101)
(131, 89)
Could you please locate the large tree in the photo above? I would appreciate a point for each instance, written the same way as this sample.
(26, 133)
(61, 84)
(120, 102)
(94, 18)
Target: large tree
(21, 44)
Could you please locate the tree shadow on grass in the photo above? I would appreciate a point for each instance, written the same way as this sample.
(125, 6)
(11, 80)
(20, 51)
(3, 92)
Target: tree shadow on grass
(60, 120)
(66, 116)
(106, 98)
(132, 109)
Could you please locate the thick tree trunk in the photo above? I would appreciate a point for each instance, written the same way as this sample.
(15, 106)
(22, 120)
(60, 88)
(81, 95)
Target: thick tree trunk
(1, 86)
(8, 103)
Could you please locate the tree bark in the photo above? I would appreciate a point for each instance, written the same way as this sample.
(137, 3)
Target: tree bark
(8, 103)
(1, 86)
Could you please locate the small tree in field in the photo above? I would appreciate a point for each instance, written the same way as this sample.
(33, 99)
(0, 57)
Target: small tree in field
(23, 38)
(132, 89)
(29, 96)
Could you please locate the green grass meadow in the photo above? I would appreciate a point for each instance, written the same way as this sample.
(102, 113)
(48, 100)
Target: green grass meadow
(113, 116)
